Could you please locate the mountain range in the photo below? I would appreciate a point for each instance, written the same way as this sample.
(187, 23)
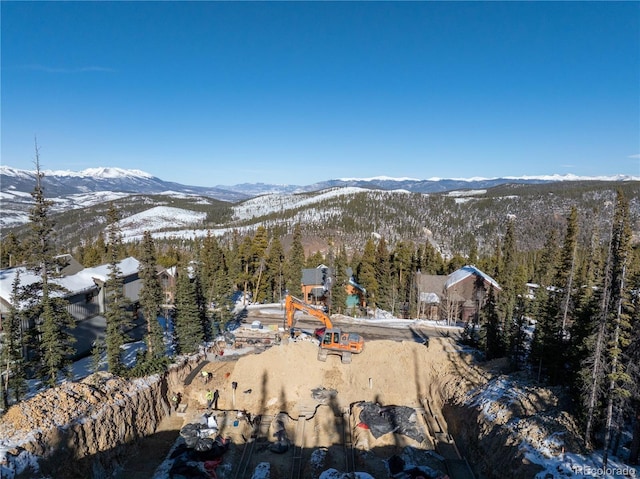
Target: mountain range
(448, 211)
(63, 183)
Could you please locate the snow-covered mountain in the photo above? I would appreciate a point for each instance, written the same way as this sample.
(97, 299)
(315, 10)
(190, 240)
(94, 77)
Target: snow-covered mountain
(118, 180)
(415, 185)
(71, 190)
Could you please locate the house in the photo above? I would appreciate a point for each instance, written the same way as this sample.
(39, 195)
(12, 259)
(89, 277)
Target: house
(456, 297)
(356, 294)
(316, 284)
(167, 278)
(84, 291)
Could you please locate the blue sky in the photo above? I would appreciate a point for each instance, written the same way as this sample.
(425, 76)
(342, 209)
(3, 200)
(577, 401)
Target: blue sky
(219, 93)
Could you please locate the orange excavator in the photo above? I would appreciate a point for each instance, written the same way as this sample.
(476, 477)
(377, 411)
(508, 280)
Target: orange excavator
(332, 340)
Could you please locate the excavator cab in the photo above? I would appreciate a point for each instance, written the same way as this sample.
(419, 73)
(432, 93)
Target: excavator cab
(332, 340)
(340, 343)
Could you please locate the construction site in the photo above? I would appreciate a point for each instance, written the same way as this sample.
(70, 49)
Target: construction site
(269, 405)
(285, 411)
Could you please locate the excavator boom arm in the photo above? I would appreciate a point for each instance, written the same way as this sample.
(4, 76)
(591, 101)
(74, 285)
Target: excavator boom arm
(293, 304)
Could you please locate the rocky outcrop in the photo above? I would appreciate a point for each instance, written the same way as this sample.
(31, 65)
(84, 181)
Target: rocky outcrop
(81, 429)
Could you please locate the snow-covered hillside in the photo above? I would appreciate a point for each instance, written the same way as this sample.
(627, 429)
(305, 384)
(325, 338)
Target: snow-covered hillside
(158, 218)
(266, 204)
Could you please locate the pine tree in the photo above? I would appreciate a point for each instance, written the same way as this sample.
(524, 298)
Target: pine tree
(116, 303)
(603, 364)
(11, 350)
(11, 251)
(401, 278)
(201, 303)
(217, 285)
(54, 321)
(366, 273)
(542, 276)
(632, 360)
(295, 263)
(151, 297)
(619, 384)
(383, 275)
(246, 263)
(188, 324)
(234, 262)
(92, 253)
(275, 270)
(432, 262)
(314, 260)
(259, 247)
(473, 253)
(493, 339)
(512, 283)
(557, 315)
(338, 291)
(565, 275)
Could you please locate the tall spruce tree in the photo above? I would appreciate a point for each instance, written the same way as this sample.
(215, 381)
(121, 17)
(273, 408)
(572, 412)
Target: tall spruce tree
(151, 297)
(338, 290)
(203, 309)
(117, 305)
(188, 324)
(432, 262)
(295, 263)
(401, 274)
(366, 273)
(216, 281)
(246, 274)
(492, 337)
(54, 340)
(259, 247)
(383, 275)
(275, 270)
(507, 300)
(619, 383)
(603, 365)
(632, 360)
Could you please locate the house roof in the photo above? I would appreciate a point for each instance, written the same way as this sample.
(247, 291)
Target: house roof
(465, 272)
(353, 283)
(431, 283)
(316, 276)
(67, 264)
(80, 282)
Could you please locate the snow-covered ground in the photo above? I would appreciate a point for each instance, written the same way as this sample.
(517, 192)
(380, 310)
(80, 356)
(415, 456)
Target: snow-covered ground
(549, 452)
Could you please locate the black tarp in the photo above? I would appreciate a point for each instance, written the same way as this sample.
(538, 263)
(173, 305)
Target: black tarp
(382, 420)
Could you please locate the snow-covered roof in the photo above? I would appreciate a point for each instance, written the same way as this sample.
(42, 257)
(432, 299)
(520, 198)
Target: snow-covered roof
(76, 283)
(353, 283)
(465, 272)
(127, 266)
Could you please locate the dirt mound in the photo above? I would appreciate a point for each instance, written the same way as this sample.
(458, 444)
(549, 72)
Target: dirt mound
(283, 377)
(60, 406)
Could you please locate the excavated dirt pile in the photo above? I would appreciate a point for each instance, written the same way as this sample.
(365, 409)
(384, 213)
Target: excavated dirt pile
(81, 429)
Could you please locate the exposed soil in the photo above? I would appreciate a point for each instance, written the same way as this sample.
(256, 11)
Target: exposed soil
(279, 385)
